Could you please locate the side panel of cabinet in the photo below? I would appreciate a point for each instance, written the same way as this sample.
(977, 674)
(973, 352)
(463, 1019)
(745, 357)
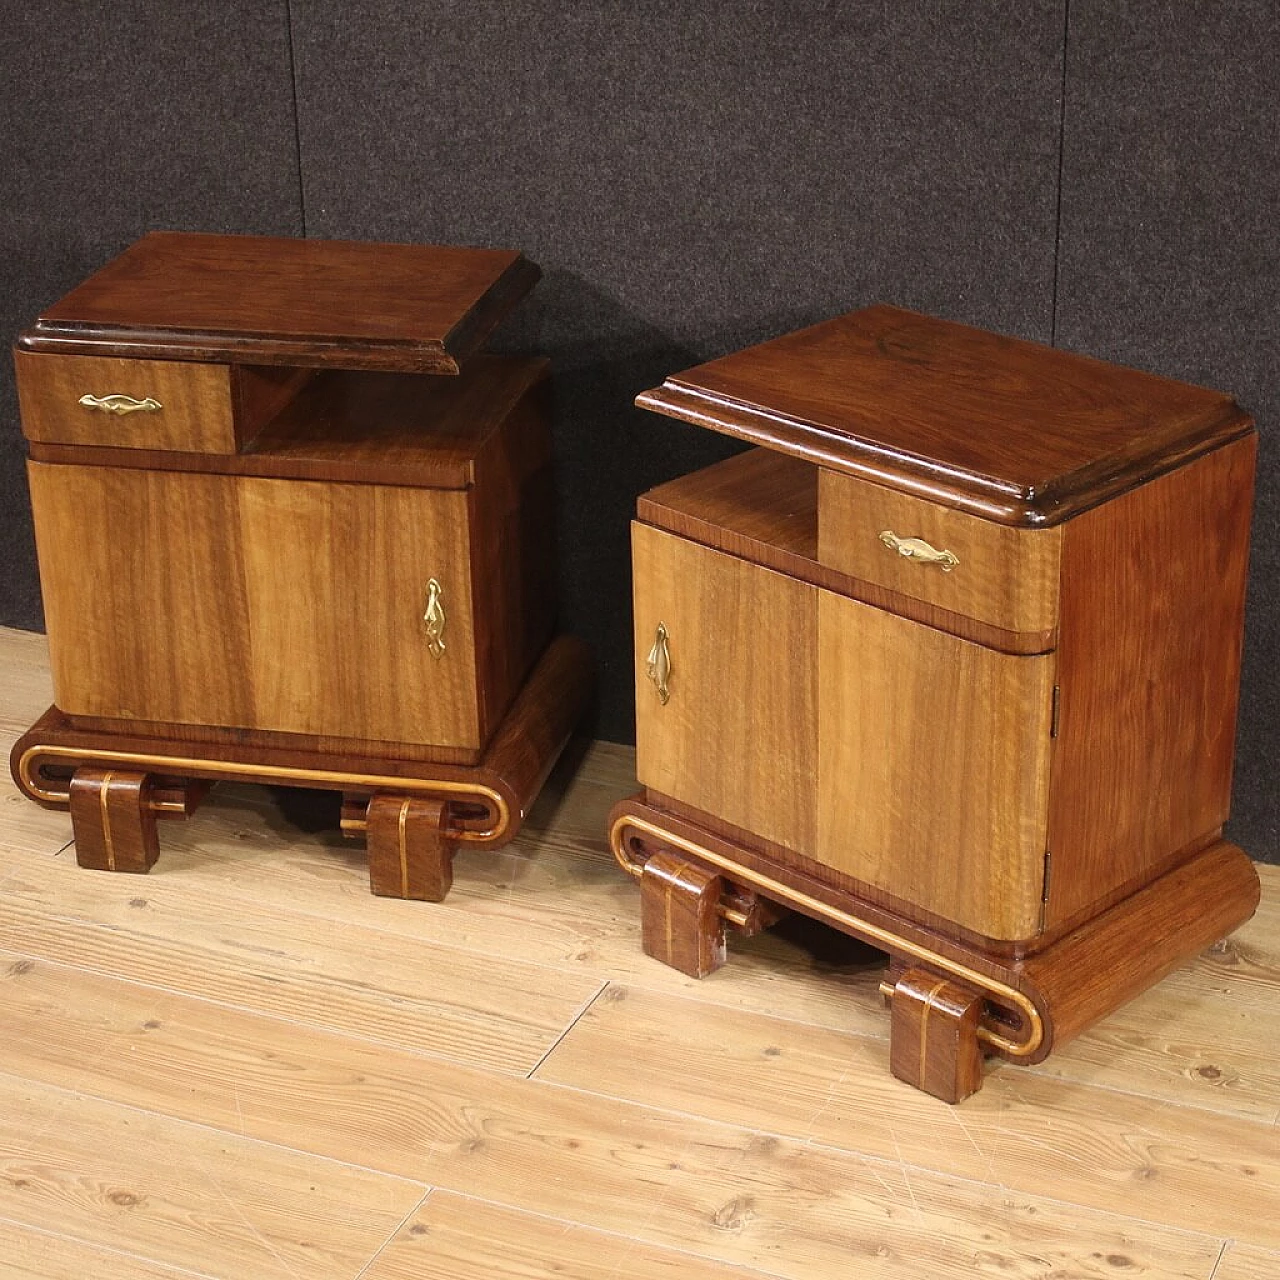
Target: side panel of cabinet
(279, 605)
(933, 767)
(738, 734)
(1153, 588)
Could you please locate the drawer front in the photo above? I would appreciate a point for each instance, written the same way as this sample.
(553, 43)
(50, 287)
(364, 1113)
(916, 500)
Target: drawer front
(126, 404)
(737, 734)
(1003, 576)
(280, 605)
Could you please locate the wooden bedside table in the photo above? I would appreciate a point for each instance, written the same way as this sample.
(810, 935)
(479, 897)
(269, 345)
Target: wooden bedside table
(277, 545)
(951, 663)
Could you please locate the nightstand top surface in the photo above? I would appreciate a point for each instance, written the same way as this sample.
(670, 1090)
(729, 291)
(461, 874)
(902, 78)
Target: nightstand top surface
(1011, 430)
(273, 300)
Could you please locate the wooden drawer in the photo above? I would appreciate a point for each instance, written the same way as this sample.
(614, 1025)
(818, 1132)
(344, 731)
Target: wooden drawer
(252, 603)
(998, 574)
(149, 404)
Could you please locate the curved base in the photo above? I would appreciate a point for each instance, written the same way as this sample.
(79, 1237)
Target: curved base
(413, 813)
(949, 998)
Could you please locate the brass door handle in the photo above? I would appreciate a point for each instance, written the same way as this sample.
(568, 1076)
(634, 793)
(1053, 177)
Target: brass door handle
(658, 664)
(919, 550)
(120, 404)
(433, 619)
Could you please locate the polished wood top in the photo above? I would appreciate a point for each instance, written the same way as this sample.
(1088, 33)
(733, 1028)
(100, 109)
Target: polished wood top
(272, 300)
(1011, 430)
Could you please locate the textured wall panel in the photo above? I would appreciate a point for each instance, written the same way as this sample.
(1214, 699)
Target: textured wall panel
(691, 177)
(120, 118)
(1170, 260)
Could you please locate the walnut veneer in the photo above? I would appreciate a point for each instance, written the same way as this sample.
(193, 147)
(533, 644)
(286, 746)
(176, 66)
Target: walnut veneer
(274, 543)
(951, 663)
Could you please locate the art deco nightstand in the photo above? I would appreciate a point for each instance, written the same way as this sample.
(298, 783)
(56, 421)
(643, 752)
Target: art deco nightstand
(293, 529)
(950, 663)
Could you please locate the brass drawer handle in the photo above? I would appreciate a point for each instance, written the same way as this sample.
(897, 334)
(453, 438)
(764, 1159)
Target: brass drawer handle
(919, 550)
(658, 664)
(119, 404)
(433, 619)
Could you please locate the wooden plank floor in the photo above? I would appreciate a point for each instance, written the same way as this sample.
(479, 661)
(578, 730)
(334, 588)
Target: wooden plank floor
(243, 1065)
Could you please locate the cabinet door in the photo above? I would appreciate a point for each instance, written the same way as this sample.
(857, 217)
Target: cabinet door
(933, 767)
(336, 580)
(737, 736)
(261, 604)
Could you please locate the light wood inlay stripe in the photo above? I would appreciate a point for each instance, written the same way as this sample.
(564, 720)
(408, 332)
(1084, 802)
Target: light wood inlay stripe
(27, 776)
(924, 1027)
(865, 929)
(104, 792)
(404, 853)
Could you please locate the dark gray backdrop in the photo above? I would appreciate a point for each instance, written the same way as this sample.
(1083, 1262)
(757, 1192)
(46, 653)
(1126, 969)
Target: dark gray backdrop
(690, 177)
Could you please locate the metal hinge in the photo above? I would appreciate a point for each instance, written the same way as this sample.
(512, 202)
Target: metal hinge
(1044, 893)
(1055, 711)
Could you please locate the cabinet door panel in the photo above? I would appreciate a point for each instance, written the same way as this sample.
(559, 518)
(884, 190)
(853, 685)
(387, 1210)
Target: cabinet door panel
(261, 604)
(933, 767)
(336, 580)
(143, 594)
(738, 735)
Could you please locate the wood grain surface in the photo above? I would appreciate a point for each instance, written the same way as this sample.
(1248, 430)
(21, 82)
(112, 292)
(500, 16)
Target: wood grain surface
(455, 1237)
(35, 1253)
(1006, 577)
(371, 428)
(933, 767)
(1153, 589)
(877, 393)
(271, 604)
(275, 300)
(743, 645)
(763, 506)
(208, 1201)
(196, 412)
(1241, 1262)
(215, 1041)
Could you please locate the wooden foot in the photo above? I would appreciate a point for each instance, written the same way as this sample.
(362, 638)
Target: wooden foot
(680, 923)
(112, 820)
(410, 852)
(934, 1042)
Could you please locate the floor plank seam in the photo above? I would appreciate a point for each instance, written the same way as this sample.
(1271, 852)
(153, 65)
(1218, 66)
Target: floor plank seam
(178, 1269)
(458, 901)
(400, 1226)
(864, 1037)
(704, 995)
(870, 1158)
(1160, 1100)
(1222, 1253)
(1047, 1073)
(740, 1131)
(629, 1236)
(206, 1127)
(695, 996)
(442, 1058)
(604, 986)
(540, 1080)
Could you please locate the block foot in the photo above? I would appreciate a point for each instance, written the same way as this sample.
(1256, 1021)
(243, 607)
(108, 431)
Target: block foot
(112, 820)
(934, 1038)
(410, 850)
(679, 915)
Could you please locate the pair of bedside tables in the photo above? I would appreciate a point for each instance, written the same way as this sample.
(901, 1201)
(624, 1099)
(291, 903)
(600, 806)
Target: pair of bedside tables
(949, 661)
